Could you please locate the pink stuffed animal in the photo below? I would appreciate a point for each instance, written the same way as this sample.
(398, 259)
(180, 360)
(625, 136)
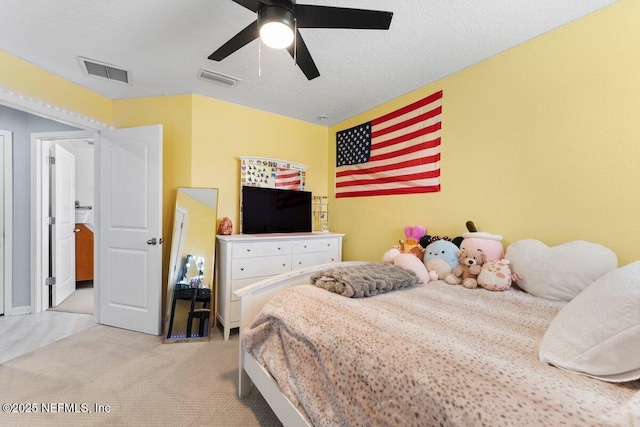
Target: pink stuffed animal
(410, 262)
(495, 275)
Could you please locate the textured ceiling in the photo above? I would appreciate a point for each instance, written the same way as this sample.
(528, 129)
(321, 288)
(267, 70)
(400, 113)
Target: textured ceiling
(164, 43)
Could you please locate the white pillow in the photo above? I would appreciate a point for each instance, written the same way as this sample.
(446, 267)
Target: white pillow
(598, 332)
(560, 272)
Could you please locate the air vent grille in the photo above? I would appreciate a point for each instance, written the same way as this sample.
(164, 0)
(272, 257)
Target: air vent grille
(104, 71)
(218, 78)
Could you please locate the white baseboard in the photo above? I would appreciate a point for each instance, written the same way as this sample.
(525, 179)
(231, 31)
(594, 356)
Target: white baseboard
(25, 309)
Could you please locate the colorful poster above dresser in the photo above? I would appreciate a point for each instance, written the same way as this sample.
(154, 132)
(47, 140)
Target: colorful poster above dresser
(272, 173)
(397, 153)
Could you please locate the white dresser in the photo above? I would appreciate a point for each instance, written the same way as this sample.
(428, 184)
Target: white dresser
(243, 259)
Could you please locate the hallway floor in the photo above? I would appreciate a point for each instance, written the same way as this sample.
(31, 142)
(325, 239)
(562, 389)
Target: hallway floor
(24, 333)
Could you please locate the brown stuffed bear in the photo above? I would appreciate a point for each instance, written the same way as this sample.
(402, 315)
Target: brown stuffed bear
(470, 266)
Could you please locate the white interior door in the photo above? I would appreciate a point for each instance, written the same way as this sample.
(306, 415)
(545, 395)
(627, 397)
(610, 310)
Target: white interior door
(129, 251)
(63, 243)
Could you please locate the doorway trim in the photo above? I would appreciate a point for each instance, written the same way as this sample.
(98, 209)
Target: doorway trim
(7, 194)
(40, 148)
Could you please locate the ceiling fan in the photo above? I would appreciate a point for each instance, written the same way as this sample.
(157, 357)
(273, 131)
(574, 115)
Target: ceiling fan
(278, 22)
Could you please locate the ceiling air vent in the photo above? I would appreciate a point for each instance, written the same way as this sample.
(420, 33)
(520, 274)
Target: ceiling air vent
(219, 78)
(104, 71)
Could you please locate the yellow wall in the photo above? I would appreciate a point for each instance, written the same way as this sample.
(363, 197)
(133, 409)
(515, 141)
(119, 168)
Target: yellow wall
(541, 141)
(222, 132)
(30, 81)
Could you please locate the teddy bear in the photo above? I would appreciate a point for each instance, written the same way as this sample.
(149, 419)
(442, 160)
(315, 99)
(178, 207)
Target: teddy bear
(467, 271)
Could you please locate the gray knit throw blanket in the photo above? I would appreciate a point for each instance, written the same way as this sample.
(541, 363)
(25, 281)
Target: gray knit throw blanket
(364, 280)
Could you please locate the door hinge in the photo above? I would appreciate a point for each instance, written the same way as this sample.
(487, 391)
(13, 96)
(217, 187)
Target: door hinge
(51, 160)
(50, 220)
(49, 281)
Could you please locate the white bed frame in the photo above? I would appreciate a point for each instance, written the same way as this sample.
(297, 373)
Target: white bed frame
(252, 299)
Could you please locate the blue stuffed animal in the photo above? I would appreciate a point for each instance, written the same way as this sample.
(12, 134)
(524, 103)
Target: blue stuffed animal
(440, 254)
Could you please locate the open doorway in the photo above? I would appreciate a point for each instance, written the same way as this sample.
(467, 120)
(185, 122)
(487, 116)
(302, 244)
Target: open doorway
(63, 189)
(128, 237)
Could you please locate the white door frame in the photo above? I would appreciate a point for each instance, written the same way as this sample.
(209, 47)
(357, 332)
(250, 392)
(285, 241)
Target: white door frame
(7, 226)
(40, 148)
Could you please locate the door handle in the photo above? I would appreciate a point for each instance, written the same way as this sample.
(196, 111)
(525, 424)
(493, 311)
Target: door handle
(76, 230)
(152, 241)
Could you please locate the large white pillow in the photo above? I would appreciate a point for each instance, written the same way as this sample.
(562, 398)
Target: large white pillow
(598, 332)
(560, 272)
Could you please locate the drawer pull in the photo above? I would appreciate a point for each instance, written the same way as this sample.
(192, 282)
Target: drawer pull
(279, 249)
(248, 249)
(241, 268)
(305, 246)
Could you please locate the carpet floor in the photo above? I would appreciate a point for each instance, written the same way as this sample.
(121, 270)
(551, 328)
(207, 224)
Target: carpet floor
(115, 377)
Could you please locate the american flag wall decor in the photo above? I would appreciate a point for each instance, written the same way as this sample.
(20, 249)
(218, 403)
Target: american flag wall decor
(397, 153)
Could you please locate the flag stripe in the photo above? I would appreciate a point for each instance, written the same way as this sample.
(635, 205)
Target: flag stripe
(384, 167)
(411, 107)
(397, 153)
(287, 179)
(406, 150)
(385, 179)
(412, 121)
(391, 191)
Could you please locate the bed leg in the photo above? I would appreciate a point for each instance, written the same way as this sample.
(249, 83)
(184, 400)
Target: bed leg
(244, 382)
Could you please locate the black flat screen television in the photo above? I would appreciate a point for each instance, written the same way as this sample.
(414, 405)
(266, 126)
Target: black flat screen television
(272, 210)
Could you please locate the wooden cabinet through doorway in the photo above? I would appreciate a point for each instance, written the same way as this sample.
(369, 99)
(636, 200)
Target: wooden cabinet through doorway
(84, 253)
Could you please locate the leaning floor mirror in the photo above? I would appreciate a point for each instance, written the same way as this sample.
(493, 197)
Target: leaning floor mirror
(190, 280)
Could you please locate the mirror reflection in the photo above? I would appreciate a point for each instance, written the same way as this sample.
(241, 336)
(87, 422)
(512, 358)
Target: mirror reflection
(190, 279)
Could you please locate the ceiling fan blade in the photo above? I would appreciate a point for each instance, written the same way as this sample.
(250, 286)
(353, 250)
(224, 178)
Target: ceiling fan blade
(249, 34)
(252, 5)
(310, 16)
(303, 58)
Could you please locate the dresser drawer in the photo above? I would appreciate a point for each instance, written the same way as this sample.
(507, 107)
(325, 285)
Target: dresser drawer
(314, 258)
(244, 268)
(315, 245)
(257, 249)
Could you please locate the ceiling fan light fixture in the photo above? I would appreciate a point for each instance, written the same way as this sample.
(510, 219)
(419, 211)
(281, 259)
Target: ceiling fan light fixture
(276, 26)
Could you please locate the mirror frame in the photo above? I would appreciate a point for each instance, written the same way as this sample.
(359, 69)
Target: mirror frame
(188, 250)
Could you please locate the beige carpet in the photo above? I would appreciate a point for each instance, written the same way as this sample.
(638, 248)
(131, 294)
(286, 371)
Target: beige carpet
(143, 382)
(80, 301)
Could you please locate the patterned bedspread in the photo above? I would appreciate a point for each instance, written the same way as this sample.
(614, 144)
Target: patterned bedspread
(434, 354)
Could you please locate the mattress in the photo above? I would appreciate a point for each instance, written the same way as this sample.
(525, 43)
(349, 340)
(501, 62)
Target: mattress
(431, 354)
